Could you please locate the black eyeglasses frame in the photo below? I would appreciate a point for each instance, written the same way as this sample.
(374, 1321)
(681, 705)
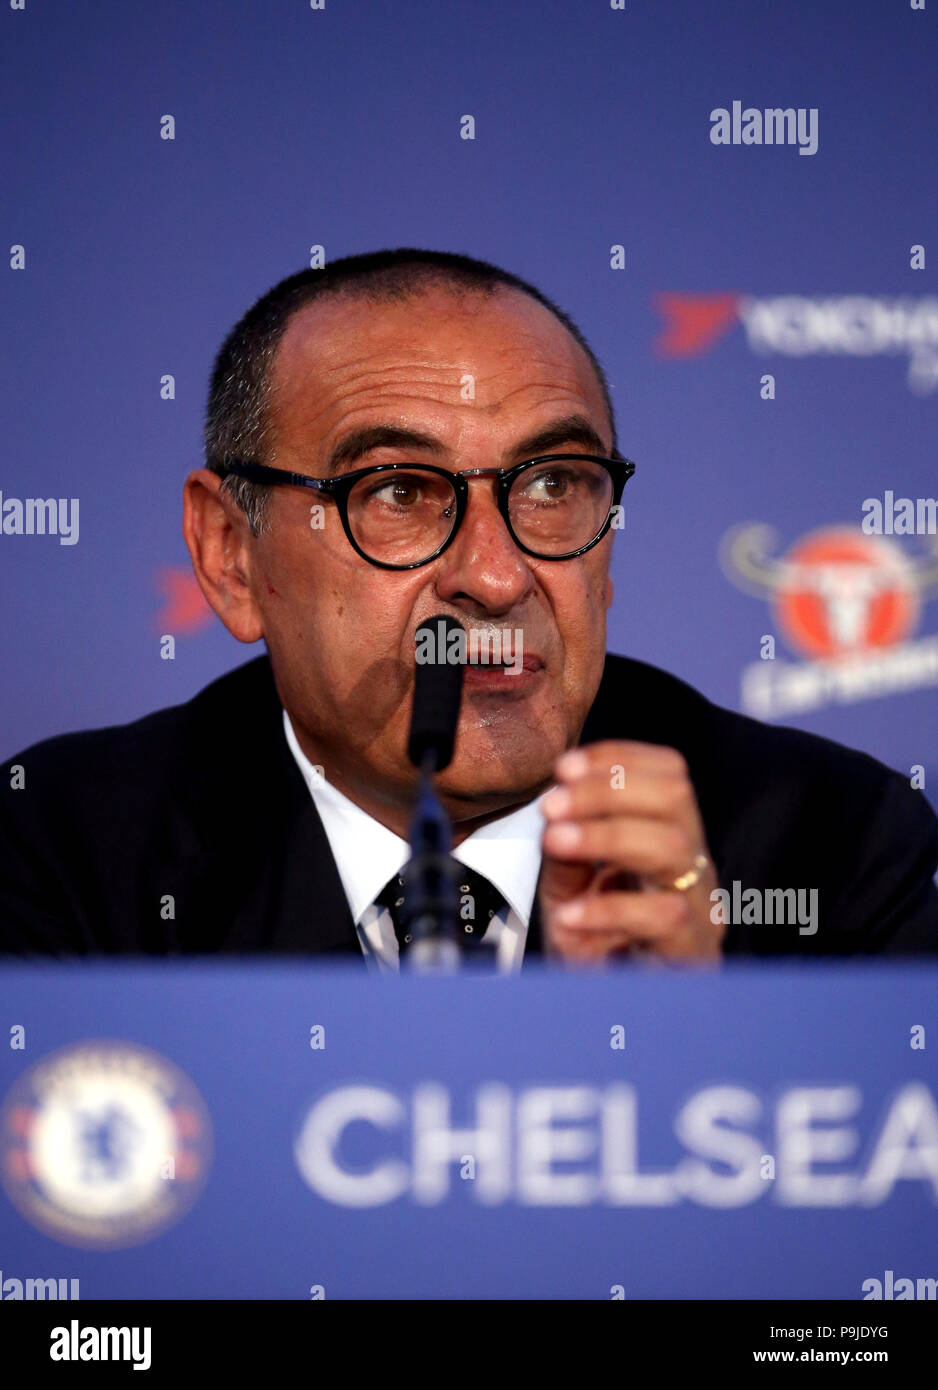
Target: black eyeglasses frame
(339, 488)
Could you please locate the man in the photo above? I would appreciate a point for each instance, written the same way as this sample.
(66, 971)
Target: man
(270, 813)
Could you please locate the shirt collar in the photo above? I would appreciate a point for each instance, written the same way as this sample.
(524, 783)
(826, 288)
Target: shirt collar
(507, 851)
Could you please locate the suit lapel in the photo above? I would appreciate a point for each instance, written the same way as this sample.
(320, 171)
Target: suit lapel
(260, 872)
(311, 911)
(534, 945)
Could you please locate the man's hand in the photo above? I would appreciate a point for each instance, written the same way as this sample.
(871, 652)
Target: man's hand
(622, 825)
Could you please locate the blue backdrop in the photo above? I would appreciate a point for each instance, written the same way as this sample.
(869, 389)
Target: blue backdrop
(344, 127)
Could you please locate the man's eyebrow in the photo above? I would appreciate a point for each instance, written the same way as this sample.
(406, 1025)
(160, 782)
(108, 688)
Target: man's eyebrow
(360, 442)
(568, 429)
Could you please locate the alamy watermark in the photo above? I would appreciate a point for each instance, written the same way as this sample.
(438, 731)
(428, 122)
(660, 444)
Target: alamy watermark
(40, 516)
(77, 1343)
(765, 907)
(774, 125)
(13, 1289)
(481, 646)
(892, 1288)
(899, 516)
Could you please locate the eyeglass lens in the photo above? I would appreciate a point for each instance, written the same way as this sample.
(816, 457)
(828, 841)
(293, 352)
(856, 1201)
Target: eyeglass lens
(404, 517)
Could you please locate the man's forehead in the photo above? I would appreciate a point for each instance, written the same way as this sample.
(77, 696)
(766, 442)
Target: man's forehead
(339, 352)
(333, 334)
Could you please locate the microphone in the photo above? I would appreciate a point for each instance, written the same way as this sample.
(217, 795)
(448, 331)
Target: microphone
(437, 691)
(431, 874)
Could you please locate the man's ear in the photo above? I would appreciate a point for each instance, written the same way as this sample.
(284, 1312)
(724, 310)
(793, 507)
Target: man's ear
(220, 543)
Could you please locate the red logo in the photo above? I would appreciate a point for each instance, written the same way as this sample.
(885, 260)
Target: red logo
(693, 322)
(837, 592)
(184, 607)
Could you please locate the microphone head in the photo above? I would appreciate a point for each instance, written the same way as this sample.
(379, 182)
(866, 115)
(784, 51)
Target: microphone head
(440, 657)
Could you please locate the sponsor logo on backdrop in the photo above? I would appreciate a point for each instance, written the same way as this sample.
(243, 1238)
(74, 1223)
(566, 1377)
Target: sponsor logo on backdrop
(184, 607)
(104, 1144)
(853, 325)
(846, 602)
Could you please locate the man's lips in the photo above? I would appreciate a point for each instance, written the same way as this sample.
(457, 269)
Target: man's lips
(502, 678)
(531, 662)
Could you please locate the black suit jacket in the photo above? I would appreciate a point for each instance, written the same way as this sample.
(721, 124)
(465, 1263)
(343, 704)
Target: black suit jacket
(192, 831)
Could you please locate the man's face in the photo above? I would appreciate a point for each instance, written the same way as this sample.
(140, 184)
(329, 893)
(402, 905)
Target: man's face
(481, 376)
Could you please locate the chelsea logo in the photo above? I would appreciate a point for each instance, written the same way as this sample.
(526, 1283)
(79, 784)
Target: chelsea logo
(104, 1144)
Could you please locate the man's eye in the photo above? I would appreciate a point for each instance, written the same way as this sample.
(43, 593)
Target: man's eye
(548, 486)
(396, 493)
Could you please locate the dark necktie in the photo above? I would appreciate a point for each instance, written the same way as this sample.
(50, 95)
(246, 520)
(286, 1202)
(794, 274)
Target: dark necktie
(477, 903)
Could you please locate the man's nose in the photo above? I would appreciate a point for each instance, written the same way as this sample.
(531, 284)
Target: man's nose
(483, 563)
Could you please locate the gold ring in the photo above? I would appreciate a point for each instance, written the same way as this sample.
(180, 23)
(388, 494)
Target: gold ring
(692, 876)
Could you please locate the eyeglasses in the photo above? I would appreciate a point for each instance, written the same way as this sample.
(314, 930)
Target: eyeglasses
(399, 516)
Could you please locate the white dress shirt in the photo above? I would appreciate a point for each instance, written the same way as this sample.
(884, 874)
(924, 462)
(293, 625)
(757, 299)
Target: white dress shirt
(507, 852)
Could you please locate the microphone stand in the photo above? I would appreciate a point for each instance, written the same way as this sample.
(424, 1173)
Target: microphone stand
(431, 882)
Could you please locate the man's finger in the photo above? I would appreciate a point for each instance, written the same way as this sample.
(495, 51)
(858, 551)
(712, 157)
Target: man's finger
(639, 757)
(638, 843)
(641, 793)
(645, 915)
